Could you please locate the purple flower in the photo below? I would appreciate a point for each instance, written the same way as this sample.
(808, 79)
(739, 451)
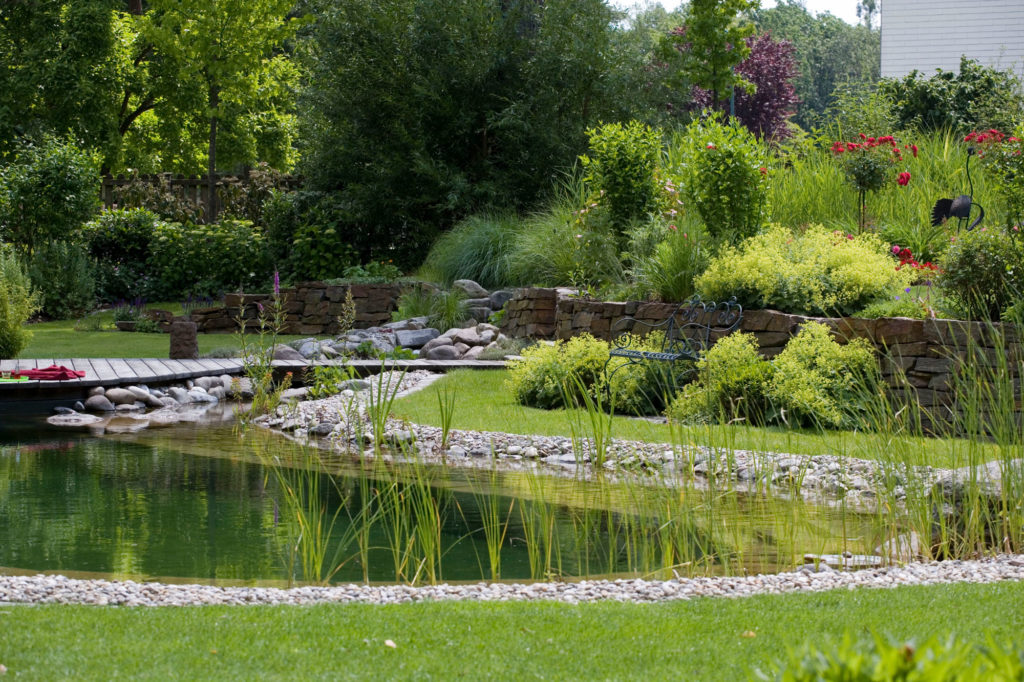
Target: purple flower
(277, 284)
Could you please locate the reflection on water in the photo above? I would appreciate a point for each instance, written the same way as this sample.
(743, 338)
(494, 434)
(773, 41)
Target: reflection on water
(195, 502)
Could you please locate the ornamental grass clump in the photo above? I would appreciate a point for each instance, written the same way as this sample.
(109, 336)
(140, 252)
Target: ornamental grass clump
(809, 272)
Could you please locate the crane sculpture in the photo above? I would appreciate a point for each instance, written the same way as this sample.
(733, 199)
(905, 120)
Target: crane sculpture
(959, 208)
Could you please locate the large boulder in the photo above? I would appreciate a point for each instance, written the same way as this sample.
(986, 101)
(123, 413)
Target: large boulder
(415, 338)
(437, 342)
(500, 298)
(470, 288)
(470, 337)
(283, 352)
(448, 352)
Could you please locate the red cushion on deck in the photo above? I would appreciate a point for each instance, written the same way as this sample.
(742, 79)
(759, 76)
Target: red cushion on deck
(51, 373)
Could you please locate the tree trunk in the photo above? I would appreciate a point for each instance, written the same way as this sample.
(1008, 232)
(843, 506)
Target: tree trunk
(135, 6)
(211, 168)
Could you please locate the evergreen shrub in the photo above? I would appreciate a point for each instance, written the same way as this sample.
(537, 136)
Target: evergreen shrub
(119, 241)
(208, 259)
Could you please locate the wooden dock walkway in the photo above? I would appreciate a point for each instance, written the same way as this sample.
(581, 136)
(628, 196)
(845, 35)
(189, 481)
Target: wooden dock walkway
(109, 372)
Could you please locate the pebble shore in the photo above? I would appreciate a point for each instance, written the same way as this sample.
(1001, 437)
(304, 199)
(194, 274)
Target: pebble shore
(56, 589)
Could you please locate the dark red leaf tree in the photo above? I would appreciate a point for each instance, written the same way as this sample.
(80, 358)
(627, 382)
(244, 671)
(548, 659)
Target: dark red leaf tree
(771, 68)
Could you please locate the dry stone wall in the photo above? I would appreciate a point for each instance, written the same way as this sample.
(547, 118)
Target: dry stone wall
(309, 308)
(919, 356)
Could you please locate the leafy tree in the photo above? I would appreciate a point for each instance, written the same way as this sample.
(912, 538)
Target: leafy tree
(711, 43)
(770, 67)
(829, 52)
(217, 61)
(47, 192)
(133, 80)
(58, 75)
(420, 111)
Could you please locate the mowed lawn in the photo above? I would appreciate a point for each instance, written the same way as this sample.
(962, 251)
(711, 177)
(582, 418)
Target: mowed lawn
(703, 639)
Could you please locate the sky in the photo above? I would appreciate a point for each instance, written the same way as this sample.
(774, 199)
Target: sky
(844, 9)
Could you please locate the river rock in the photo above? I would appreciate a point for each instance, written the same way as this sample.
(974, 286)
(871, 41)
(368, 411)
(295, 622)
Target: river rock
(473, 353)
(97, 390)
(179, 395)
(120, 396)
(198, 395)
(73, 419)
(142, 395)
(99, 403)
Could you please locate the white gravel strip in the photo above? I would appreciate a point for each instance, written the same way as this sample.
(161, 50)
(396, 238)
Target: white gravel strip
(55, 589)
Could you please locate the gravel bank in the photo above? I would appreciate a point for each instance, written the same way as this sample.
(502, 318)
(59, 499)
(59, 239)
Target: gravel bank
(45, 589)
(340, 422)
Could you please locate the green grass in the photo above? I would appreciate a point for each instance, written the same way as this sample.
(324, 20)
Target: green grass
(60, 340)
(484, 404)
(705, 639)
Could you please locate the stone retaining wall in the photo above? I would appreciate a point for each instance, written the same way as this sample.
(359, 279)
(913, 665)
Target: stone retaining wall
(309, 308)
(922, 351)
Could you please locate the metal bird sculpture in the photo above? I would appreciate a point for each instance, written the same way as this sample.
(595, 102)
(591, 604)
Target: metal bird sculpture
(959, 208)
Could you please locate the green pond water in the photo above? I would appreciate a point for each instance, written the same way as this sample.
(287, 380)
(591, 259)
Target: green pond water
(194, 502)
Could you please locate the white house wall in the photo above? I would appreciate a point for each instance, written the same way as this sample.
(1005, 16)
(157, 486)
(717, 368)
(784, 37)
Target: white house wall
(930, 34)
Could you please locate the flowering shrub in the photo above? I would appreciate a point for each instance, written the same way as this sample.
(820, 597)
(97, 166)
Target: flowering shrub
(869, 163)
(1001, 156)
(732, 383)
(906, 259)
(815, 272)
(813, 381)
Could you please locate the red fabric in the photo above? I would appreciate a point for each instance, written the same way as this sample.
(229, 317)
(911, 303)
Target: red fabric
(51, 373)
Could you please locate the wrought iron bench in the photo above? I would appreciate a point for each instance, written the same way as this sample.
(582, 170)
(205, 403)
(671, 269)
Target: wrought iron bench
(689, 331)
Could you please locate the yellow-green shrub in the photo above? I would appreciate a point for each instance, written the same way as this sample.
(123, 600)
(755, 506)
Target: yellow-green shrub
(820, 382)
(17, 303)
(732, 383)
(542, 378)
(815, 381)
(813, 272)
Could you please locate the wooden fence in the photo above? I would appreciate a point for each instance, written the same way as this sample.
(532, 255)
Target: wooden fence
(193, 189)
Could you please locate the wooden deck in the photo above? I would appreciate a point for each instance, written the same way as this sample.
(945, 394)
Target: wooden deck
(108, 372)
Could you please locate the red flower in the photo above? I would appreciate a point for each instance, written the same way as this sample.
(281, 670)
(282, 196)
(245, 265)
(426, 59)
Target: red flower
(711, 145)
(764, 171)
(903, 178)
